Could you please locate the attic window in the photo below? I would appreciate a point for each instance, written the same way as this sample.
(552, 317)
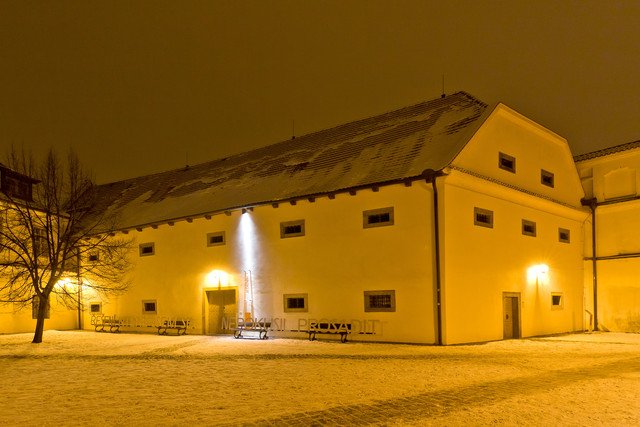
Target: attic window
(483, 217)
(377, 217)
(528, 228)
(507, 162)
(564, 235)
(147, 249)
(292, 229)
(546, 178)
(216, 239)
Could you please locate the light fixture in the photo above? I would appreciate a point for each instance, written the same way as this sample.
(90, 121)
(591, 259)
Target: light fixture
(538, 274)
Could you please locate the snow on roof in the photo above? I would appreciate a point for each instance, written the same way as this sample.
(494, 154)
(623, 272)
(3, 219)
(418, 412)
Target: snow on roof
(389, 147)
(607, 151)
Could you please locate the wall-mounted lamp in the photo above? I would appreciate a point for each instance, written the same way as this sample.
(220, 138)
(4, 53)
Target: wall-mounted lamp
(538, 274)
(217, 278)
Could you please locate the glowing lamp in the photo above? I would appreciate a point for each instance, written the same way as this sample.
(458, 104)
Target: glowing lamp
(217, 278)
(538, 274)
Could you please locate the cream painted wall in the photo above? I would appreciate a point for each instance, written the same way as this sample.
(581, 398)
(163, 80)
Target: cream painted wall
(15, 320)
(534, 148)
(481, 263)
(334, 263)
(617, 232)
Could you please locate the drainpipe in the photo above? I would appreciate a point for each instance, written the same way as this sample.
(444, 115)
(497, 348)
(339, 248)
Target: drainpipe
(430, 176)
(593, 204)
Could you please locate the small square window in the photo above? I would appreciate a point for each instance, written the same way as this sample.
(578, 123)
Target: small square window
(216, 239)
(528, 228)
(507, 162)
(149, 307)
(94, 257)
(377, 217)
(95, 308)
(546, 178)
(292, 229)
(483, 217)
(557, 301)
(147, 249)
(564, 235)
(295, 303)
(384, 301)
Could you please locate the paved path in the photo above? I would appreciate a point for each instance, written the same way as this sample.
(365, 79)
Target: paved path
(424, 406)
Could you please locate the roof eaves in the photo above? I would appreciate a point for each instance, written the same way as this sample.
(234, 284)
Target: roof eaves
(607, 151)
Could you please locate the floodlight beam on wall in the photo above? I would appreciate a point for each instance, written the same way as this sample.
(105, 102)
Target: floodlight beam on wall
(538, 274)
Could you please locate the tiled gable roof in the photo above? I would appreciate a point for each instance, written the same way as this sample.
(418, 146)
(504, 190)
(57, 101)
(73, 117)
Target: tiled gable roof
(389, 147)
(607, 151)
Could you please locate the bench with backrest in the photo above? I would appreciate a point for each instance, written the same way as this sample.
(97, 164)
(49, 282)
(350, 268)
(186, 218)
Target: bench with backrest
(178, 325)
(343, 329)
(260, 328)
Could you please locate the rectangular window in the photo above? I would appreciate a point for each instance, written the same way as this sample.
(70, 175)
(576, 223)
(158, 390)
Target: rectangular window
(295, 303)
(41, 242)
(507, 162)
(292, 229)
(94, 257)
(483, 217)
(528, 228)
(216, 239)
(546, 178)
(379, 301)
(564, 235)
(557, 302)
(377, 217)
(95, 308)
(147, 249)
(149, 307)
(35, 305)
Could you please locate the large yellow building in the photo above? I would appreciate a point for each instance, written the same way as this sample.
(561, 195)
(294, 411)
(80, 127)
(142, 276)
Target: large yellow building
(449, 221)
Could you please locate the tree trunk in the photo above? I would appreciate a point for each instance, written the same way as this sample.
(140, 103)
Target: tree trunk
(42, 311)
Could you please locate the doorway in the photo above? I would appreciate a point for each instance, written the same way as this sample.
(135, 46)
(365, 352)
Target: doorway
(511, 315)
(221, 304)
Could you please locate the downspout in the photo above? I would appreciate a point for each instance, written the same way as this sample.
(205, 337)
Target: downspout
(593, 204)
(430, 177)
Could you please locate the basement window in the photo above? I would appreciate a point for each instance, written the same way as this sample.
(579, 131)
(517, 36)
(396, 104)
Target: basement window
(95, 308)
(295, 303)
(377, 217)
(528, 228)
(483, 217)
(507, 162)
(384, 301)
(292, 229)
(546, 178)
(147, 249)
(557, 301)
(216, 239)
(564, 235)
(149, 307)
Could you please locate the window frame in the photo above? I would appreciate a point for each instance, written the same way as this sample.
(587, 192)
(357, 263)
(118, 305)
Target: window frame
(287, 297)
(506, 157)
(529, 223)
(149, 301)
(143, 246)
(216, 234)
(285, 224)
(93, 304)
(366, 215)
(368, 308)
(480, 211)
(549, 175)
(568, 233)
(560, 305)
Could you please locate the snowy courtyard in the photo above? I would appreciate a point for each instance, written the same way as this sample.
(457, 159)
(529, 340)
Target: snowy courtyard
(89, 378)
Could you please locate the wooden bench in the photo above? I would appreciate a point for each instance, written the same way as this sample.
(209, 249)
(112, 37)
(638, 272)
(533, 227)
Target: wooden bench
(261, 328)
(178, 325)
(344, 329)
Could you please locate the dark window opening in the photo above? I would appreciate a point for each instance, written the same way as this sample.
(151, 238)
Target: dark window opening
(149, 307)
(292, 229)
(528, 228)
(377, 217)
(216, 239)
(96, 308)
(380, 301)
(564, 235)
(507, 162)
(546, 178)
(147, 249)
(483, 218)
(295, 303)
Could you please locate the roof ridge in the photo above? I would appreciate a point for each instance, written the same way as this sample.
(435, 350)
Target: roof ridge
(606, 151)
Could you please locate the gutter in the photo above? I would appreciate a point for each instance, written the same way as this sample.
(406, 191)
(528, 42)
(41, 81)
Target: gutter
(593, 204)
(430, 176)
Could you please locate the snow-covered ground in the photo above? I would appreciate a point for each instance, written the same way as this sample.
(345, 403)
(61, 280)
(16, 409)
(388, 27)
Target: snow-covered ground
(88, 378)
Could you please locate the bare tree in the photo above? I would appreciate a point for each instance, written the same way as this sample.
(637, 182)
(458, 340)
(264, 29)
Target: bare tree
(53, 243)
